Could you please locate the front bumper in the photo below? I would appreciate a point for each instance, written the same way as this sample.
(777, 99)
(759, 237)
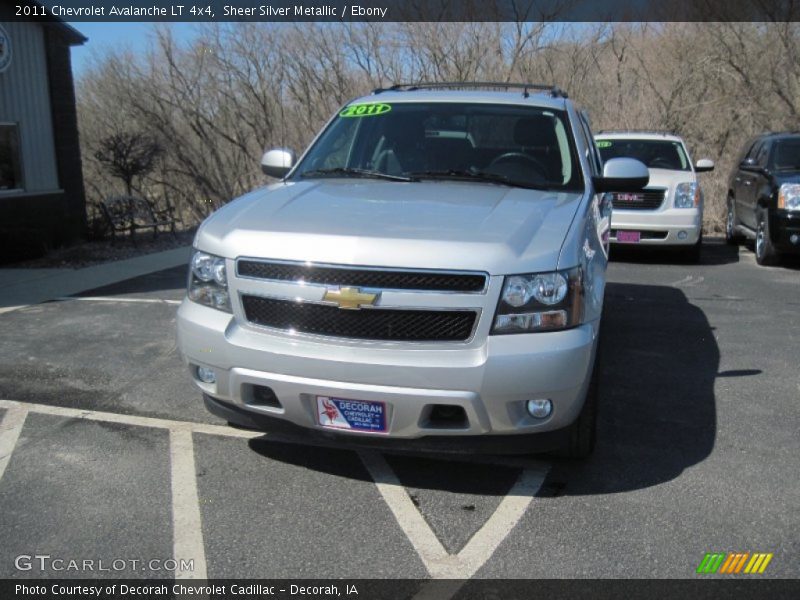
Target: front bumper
(783, 225)
(490, 381)
(659, 227)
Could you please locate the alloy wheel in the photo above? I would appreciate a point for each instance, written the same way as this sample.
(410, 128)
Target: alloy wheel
(760, 239)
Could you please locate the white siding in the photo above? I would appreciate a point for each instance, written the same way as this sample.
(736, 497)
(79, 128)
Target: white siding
(25, 99)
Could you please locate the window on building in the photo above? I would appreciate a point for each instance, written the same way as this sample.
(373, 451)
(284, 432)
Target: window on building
(10, 163)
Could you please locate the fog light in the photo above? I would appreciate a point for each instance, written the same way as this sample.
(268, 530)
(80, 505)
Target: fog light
(794, 238)
(682, 235)
(206, 375)
(539, 409)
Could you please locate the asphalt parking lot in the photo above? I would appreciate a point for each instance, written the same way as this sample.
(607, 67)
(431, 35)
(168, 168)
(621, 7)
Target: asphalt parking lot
(106, 451)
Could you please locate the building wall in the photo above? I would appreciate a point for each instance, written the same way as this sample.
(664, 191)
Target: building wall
(25, 99)
(65, 136)
(37, 91)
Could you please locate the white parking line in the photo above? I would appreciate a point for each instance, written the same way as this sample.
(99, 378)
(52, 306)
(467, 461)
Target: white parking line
(486, 540)
(411, 521)
(92, 415)
(115, 299)
(10, 428)
(187, 536)
(480, 547)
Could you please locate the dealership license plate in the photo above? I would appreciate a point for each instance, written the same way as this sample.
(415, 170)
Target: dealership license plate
(353, 415)
(629, 237)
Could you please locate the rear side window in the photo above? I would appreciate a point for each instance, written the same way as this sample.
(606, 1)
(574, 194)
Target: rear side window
(762, 154)
(786, 155)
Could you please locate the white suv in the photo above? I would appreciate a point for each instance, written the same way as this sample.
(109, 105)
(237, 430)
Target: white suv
(429, 273)
(669, 212)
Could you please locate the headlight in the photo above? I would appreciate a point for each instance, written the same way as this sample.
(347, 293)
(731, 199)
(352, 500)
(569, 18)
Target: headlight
(540, 302)
(789, 196)
(687, 195)
(208, 282)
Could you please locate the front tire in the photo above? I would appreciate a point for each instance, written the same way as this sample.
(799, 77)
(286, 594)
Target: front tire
(583, 432)
(766, 254)
(732, 235)
(691, 255)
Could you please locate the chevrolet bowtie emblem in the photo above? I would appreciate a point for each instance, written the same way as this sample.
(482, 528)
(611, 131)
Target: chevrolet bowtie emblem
(350, 298)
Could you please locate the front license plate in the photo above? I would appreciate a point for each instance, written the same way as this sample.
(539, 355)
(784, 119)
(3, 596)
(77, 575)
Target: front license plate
(355, 415)
(629, 237)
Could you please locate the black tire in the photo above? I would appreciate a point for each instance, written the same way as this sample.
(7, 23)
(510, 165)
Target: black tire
(766, 254)
(691, 255)
(583, 432)
(732, 235)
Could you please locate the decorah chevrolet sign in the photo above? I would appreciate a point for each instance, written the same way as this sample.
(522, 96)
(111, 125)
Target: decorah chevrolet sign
(5, 49)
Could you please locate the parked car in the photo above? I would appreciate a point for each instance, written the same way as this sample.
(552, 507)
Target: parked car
(764, 197)
(669, 212)
(430, 273)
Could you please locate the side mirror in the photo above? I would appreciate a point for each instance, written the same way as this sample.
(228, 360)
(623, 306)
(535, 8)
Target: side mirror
(748, 164)
(622, 175)
(704, 165)
(277, 162)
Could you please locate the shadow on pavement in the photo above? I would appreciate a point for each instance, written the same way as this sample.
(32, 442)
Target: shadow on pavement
(715, 252)
(657, 413)
(458, 475)
(171, 280)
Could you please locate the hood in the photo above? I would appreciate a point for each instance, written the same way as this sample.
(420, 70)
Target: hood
(668, 178)
(433, 225)
(786, 176)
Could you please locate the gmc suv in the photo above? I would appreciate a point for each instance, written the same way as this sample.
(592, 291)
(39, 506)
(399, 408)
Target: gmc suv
(430, 273)
(764, 197)
(669, 212)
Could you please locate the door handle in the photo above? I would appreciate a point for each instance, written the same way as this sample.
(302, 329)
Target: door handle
(748, 182)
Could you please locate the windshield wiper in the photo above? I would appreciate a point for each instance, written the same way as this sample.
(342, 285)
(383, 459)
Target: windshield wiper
(355, 173)
(474, 174)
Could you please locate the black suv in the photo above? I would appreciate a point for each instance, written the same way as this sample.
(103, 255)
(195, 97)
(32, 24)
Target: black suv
(764, 197)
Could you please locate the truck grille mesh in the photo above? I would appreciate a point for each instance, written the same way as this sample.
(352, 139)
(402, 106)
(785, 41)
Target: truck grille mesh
(367, 324)
(643, 200)
(368, 278)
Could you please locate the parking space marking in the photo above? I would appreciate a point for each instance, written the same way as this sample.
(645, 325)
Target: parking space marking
(441, 564)
(10, 428)
(91, 415)
(115, 299)
(187, 534)
(411, 521)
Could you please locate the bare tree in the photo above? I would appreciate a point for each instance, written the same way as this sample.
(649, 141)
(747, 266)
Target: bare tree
(128, 155)
(215, 103)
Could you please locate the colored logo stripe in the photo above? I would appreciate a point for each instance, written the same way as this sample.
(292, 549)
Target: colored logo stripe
(734, 562)
(758, 563)
(711, 562)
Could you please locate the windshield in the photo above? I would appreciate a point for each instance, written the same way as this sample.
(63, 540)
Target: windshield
(786, 156)
(499, 144)
(656, 154)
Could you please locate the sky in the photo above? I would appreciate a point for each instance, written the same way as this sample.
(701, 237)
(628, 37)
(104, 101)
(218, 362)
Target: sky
(107, 36)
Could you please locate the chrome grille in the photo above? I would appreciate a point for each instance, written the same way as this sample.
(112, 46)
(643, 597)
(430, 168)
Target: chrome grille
(407, 325)
(641, 200)
(366, 277)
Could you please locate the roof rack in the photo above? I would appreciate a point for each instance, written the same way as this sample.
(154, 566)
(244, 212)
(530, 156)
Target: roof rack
(553, 90)
(653, 131)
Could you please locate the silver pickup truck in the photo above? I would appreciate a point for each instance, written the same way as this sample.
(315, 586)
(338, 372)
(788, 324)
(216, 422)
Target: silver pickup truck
(429, 274)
